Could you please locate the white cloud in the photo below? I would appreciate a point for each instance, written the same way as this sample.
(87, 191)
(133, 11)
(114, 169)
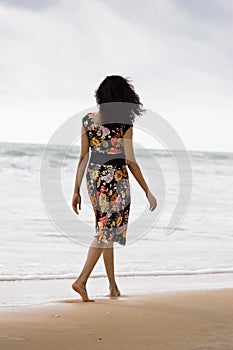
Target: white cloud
(30, 4)
(179, 54)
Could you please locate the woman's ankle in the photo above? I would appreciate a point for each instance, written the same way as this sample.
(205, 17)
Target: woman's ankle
(81, 280)
(112, 284)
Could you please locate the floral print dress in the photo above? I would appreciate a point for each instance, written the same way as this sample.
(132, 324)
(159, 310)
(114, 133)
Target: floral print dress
(107, 180)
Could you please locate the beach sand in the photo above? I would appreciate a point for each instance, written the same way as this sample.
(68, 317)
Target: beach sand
(172, 320)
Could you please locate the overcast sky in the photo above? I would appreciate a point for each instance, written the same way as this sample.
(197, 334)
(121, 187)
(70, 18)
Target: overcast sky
(179, 54)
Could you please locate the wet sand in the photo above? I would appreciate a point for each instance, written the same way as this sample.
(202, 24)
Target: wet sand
(197, 320)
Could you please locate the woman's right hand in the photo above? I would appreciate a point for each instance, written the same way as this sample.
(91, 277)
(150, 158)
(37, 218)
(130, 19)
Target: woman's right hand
(152, 200)
(76, 202)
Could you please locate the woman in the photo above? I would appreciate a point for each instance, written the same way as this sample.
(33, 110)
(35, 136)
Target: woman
(108, 133)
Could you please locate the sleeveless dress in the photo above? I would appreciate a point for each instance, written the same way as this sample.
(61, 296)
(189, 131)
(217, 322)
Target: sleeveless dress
(107, 180)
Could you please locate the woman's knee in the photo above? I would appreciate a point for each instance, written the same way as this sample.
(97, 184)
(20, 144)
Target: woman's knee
(97, 244)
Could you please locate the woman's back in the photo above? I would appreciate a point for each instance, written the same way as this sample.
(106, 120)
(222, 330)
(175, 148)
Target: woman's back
(106, 142)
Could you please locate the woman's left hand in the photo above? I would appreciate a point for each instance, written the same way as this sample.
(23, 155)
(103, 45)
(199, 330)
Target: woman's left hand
(76, 202)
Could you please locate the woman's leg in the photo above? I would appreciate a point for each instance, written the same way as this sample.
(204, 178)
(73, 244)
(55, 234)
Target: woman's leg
(93, 255)
(108, 256)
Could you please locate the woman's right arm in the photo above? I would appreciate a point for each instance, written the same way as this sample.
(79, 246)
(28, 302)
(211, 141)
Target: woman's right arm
(134, 167)
(83, 160)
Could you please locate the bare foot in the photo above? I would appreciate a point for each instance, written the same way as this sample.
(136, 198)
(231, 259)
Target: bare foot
(81, 289)
(114, 291)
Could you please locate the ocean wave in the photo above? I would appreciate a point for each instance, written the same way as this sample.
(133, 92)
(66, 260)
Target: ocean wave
(12, 278)
(28, 149)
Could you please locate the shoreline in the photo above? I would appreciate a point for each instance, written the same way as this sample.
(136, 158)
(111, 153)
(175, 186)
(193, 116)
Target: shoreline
(123, 297)
(184, 320)
(38, 292)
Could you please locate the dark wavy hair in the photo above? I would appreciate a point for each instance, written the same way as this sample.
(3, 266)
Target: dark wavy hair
(118, 102)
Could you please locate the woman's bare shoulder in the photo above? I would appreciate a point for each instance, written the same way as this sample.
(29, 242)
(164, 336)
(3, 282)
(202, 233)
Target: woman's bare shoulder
(128, 131)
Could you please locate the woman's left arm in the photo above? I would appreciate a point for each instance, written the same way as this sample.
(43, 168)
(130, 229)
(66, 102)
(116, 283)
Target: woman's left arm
(83, 160)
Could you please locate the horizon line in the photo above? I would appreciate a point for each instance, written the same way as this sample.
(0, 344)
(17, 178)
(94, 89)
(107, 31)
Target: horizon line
(149, 148)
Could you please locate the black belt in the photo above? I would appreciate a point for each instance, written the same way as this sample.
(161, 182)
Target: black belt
(106, 158)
